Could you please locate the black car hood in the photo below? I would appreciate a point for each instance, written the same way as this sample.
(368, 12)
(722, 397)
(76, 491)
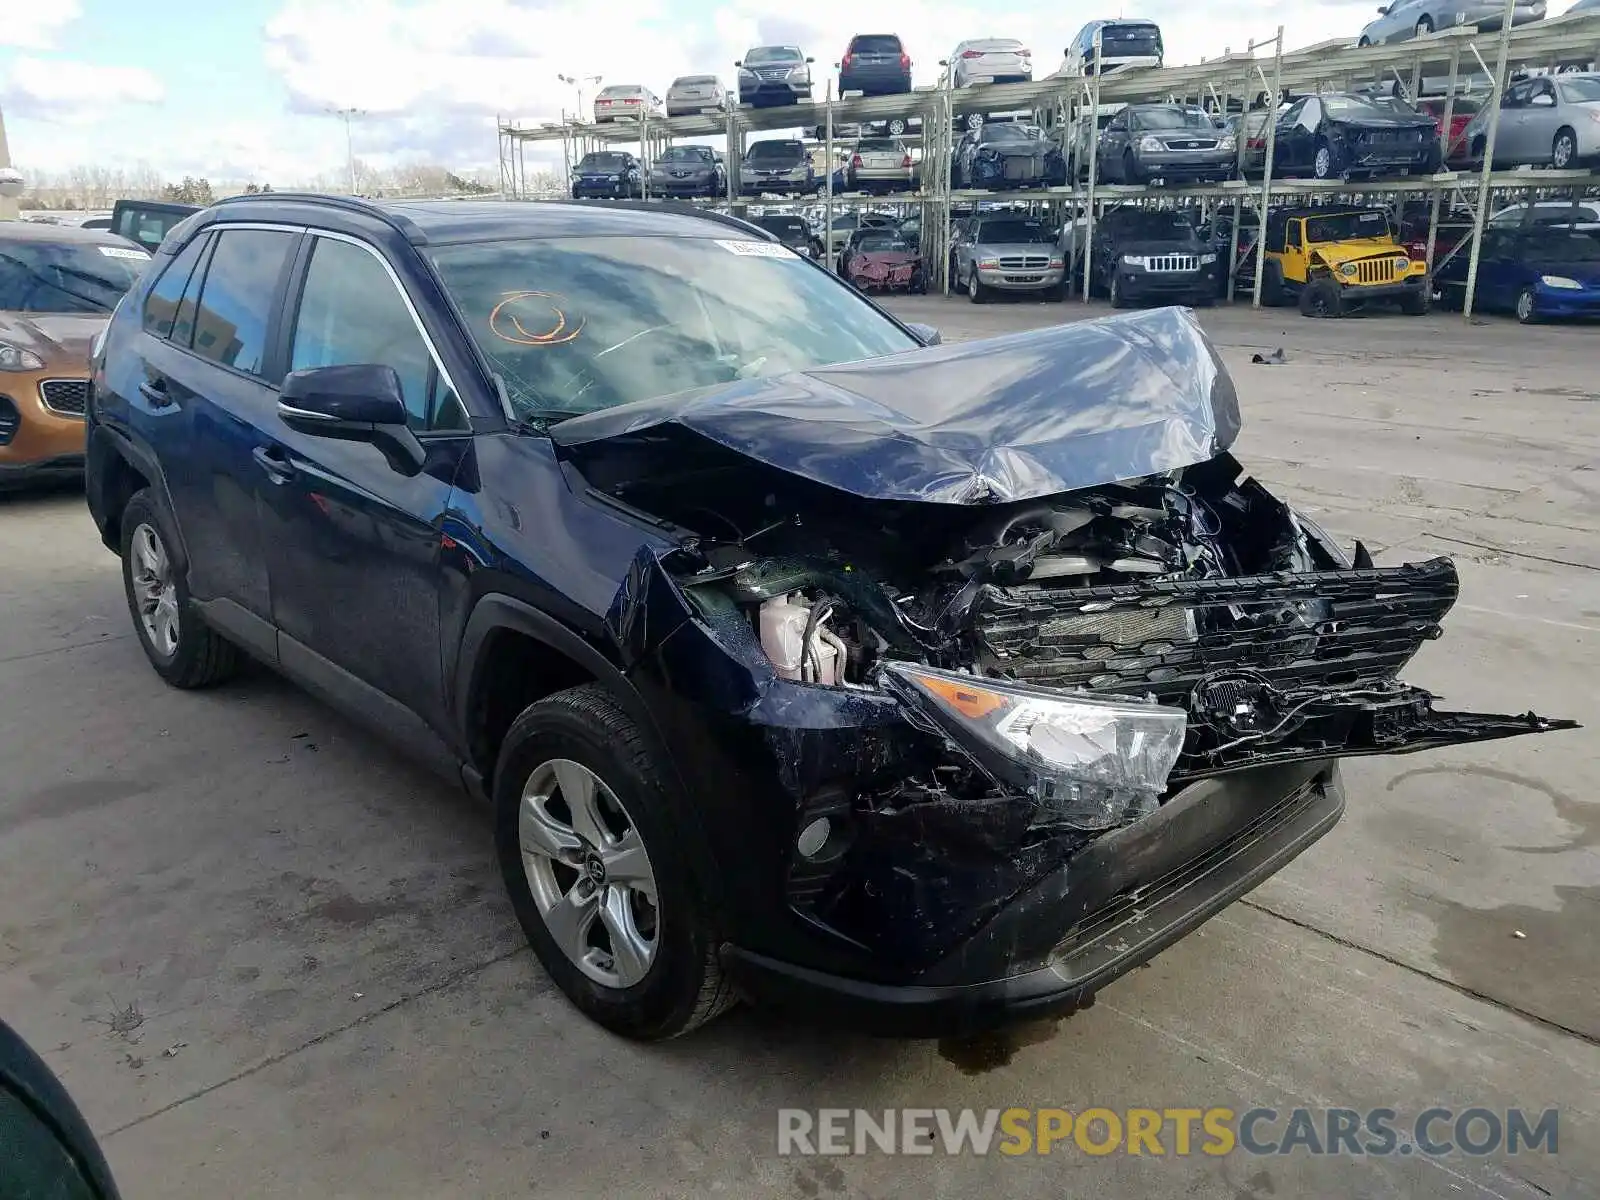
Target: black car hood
(1379, 120)
(1010, 418)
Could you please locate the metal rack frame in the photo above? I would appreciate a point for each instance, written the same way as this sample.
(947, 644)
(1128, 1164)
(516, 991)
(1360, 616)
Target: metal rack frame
(1264, 72)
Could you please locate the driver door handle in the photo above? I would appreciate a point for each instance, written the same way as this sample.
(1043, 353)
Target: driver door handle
(274, 462)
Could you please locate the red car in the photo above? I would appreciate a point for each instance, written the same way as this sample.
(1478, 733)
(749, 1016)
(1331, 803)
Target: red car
(883, 260)
(1460, 117)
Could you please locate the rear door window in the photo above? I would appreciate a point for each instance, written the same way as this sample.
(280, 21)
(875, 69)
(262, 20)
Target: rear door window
(161, 304)
(236, 300)
(875, 44)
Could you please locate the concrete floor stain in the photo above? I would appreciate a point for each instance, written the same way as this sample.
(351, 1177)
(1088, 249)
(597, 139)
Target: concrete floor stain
(980, 1053)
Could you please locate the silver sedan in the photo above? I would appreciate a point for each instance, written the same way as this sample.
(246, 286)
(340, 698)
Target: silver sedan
(1402, 20)
(1548, 120)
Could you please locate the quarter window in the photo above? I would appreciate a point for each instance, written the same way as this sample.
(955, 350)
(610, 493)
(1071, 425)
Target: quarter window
(230, 323)
(351, 312)
(161, 305)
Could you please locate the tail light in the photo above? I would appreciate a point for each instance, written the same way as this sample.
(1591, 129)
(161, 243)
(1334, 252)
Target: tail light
(856, 161)
(1257, 143)
(845, 61)
(1024, 53)
(972, 54)
(905, 162)
(905, 62)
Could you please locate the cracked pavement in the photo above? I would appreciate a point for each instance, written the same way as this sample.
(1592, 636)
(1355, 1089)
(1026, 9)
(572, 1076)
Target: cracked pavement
(271, 958)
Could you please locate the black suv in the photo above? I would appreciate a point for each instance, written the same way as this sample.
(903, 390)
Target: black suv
(607, 174)
(925, 685)
(1152, 256)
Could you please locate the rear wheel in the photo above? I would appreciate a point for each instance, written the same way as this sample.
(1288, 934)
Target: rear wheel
(592, 855)
(183, 649)
(1527, 307)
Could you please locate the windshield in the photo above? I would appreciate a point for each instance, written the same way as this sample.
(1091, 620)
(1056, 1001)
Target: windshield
(1153, 224)
(776, 151)
(1172, 118)
(883, 239)
(578, 324)
(1550, 247)
(65, 277)
(1582, 90)
(606, 161)
(1013, 231)
(1367, 106)
(681, 154)
(1342, 227)
(1007, 133)
(773, 54)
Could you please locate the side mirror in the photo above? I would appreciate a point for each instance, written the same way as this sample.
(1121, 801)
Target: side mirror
(1383, 10)
(928, 335)
(1544, 100)
(49, 1150)
(738, 64)
(809, 61)
(361, 402)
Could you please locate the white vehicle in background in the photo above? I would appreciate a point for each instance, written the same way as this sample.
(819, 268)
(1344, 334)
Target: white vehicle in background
(625, 101)
(990, 60)
(1125, 44)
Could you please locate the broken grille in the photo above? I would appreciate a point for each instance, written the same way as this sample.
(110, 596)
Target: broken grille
(67, 397)
(1324, 628)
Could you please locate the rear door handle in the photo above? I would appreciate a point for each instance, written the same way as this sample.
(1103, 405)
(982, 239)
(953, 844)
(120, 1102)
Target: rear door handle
(274, 462)
(155, 391)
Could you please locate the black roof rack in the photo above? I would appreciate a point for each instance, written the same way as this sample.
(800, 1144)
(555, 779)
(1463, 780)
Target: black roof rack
(400, 223)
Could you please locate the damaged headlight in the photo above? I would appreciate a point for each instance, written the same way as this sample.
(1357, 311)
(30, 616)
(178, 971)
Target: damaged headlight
(1092, 762)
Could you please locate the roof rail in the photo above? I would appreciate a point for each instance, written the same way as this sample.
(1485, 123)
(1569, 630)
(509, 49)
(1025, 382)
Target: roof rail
(401, 224)
(679, 208)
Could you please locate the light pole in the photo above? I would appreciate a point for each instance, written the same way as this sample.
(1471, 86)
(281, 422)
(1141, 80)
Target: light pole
(577, 82)
(349, 114)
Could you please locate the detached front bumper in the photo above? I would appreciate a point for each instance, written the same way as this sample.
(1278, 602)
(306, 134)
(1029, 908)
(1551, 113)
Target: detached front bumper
(1114, 905)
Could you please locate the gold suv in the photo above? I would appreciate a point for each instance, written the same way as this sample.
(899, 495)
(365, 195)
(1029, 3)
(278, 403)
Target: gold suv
(58, 286)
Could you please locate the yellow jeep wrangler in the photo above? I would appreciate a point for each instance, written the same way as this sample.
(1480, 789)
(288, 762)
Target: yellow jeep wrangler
(1331, 259)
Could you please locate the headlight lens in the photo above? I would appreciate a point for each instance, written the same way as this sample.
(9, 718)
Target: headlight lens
(988, 264)
(1090, 761)
(1207, 259)
(1229, 142)
(1347, 269)
(1560, 281)
(1401, 262)
(1133, 260)
(1151, 143)
(15, 358)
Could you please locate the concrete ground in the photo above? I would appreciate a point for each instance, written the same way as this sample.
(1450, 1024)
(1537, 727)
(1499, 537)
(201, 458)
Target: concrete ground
(272, 959)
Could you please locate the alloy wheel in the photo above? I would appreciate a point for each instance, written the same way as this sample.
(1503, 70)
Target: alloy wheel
(1324, 163)
(156, 590)
(1525, 308)
(589, 873)
(1564, 151)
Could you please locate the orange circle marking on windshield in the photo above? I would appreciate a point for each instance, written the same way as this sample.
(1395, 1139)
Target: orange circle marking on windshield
(557, 335)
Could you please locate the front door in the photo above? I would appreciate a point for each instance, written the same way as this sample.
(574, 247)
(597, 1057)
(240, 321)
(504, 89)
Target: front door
(353, 546)
(205, 351)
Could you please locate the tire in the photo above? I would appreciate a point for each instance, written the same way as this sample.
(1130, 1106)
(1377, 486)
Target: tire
(1322, 298)
(1114, 291)
(183, 649)
(1130, 169)
(1273, 294)
(1322, 163)
(673, 983)
(1424, 27)
(1417, 304)
(918, 285)
(1204, 300)
(1365, 41)
(976, 292)
(1056, 294)
(1564, 150)
(1527, 307)
(897, 126)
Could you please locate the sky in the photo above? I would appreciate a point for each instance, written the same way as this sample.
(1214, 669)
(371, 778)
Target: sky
(240, 90)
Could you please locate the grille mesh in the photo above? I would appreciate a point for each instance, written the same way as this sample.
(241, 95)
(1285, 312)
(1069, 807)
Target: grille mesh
(68, 397)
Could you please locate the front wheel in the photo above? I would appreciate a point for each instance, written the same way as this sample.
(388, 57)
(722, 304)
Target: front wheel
(1323, 165)
(1417, 304)
(593, 858)
(1527, 307)
(1322, 298)
(1118, 300)
(976, 292)
(1564, 151)
(183, 649)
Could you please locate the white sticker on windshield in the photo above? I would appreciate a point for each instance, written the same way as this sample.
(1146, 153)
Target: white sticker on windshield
(123, 252)
(757, 249)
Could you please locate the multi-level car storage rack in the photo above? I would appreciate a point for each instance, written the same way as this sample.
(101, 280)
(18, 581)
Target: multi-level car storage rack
(1451, 63)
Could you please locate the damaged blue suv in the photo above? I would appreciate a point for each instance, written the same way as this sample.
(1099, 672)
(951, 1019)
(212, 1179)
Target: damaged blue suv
(919, 686)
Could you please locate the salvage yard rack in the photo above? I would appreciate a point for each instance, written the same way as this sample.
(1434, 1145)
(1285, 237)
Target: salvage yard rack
(1449, 64)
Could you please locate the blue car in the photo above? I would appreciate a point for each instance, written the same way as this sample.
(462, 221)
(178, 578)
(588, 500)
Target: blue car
(761, 621)
(1541, 272)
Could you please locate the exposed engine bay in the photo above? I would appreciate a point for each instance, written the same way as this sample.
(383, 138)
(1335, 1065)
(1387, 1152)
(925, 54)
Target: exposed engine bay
(1195, 591)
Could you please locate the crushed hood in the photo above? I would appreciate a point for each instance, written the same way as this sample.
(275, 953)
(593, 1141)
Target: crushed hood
(1010, 418)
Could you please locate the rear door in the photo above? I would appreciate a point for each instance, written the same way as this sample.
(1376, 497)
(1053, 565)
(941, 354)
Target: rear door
(206, 389)
(353, 545)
